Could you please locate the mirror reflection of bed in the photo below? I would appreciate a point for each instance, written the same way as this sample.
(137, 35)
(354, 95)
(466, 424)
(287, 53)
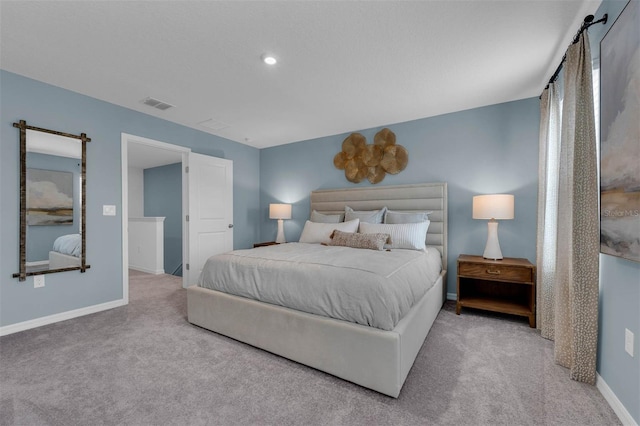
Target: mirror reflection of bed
(66, 252)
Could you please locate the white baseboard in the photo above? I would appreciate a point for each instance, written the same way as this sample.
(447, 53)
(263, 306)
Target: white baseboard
(452, 296)
(614, 402)
(148, 271)
(38, 322)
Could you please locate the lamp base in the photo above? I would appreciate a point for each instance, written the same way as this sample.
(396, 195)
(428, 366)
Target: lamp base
(280, 237)
(492, 249)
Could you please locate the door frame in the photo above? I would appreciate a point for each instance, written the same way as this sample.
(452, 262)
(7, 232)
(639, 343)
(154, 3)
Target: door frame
(184, 151)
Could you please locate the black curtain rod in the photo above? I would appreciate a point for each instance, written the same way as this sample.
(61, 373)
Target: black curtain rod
(588, 21)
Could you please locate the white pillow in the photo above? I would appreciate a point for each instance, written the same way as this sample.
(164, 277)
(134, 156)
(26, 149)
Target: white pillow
(314, 232)
(371, 216)
(403, 235)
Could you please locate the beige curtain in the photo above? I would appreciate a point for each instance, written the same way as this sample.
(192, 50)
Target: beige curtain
(569, 311)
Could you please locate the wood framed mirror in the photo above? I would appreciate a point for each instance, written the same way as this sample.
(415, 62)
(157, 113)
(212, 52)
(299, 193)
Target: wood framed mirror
(52, 201)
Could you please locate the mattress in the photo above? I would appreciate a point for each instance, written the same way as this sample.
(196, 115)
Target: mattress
(367, 287)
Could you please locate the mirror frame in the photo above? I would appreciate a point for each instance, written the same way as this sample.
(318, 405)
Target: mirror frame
(23, 274)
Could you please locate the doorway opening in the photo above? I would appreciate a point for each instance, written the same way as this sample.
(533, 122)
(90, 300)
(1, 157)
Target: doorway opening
(158, 162)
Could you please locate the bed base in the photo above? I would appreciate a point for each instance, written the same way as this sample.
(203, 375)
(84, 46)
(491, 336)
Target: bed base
(59, 260)
(370, 357)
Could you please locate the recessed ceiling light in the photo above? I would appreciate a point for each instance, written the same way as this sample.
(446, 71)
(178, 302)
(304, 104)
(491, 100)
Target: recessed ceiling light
(269, 60)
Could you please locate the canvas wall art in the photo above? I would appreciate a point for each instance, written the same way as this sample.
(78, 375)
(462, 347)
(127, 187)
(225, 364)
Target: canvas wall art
(49, 197)
(620, 136)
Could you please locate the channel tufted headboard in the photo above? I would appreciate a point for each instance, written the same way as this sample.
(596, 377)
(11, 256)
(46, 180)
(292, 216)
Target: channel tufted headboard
(424, 196)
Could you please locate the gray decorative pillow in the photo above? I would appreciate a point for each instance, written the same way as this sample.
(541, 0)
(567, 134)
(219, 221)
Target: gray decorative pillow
(369, 216)
(392, 216)
(363, 241)
(326, 218)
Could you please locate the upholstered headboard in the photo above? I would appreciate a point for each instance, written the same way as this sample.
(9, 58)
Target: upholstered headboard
(424, 196)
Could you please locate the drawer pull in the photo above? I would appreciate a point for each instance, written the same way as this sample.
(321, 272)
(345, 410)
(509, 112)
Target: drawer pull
(493, 272)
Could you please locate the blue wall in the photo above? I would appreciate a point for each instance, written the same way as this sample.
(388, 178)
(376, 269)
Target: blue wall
(40, 238)
(51, 107)
(493, 149)
(619, 289)
(163, 197)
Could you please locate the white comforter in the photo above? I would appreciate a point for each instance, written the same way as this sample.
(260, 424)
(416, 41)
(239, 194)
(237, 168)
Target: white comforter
(374, 288)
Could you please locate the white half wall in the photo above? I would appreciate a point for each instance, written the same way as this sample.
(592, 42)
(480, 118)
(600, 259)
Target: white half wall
(146, 244)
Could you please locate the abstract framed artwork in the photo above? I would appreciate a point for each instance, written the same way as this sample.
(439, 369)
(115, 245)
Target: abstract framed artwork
(620, 136)
(49, 197)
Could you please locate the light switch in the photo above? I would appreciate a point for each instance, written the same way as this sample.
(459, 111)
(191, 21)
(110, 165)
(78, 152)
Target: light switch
(108, 210)
(628, 341)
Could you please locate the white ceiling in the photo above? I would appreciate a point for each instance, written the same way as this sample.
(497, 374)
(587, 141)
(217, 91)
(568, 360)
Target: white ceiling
(342, 65)
(143, 156)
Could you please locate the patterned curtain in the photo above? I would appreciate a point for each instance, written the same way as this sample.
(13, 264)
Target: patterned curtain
(569, 310)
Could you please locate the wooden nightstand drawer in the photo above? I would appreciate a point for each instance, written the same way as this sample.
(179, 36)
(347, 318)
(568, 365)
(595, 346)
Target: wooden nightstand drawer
(497, 272)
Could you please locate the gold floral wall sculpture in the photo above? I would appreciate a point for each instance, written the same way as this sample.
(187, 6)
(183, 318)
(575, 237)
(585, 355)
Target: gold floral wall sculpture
(360, 160)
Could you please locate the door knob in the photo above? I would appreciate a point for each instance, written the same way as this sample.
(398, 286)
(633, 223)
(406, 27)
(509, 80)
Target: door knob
(231, 225)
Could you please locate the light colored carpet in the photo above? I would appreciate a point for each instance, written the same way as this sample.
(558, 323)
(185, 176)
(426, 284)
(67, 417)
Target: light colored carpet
(144, 364)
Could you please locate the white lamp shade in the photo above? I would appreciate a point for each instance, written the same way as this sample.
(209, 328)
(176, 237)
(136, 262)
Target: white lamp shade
(494, 206)
(279, 211)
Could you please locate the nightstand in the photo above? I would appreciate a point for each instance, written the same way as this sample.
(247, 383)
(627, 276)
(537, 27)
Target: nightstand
(507, 286)
(267, 243)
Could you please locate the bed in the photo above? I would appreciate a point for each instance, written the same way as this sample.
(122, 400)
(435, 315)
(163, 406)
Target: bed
(66, 252)
(372, 357)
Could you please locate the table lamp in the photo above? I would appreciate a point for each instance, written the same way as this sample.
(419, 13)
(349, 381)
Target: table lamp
(492, 207)
(280, 212)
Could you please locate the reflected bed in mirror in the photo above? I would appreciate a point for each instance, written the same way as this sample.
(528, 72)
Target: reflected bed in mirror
(52, 201)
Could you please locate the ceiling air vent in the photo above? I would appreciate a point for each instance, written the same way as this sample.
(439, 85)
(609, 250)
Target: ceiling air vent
(157, 104)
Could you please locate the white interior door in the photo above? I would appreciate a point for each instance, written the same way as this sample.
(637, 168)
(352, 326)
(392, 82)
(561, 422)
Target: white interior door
(210, 216)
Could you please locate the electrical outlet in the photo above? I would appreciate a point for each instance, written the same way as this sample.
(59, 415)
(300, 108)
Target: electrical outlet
(38, 281)
(628, 341)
